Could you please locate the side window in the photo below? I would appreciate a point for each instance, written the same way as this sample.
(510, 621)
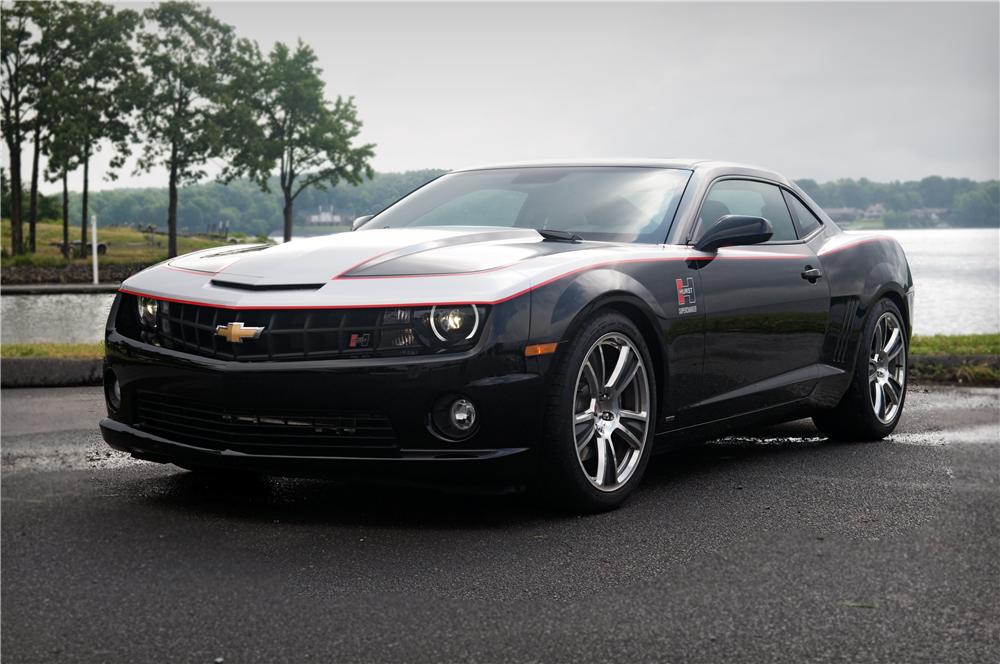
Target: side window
(753, 199)
(806, 220)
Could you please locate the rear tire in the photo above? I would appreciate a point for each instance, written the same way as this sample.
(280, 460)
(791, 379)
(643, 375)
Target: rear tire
(600, 416)
(873, 403)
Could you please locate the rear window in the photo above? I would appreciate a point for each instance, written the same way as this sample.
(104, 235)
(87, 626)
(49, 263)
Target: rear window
(807, 221)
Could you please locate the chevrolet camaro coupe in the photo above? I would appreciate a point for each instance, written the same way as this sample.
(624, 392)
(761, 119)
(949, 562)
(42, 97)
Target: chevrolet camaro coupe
(548, 325)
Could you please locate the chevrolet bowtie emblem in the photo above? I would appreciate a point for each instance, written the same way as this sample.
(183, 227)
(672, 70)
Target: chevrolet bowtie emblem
(236, 333)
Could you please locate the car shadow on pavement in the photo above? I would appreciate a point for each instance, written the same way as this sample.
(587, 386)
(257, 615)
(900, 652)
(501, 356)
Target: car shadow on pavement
(266, 499)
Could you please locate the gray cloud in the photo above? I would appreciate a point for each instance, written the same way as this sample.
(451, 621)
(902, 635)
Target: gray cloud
(887, 91)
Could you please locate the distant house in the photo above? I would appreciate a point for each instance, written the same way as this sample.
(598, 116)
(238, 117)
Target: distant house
(876, 211)
(928, 214)
(325, 217)
(844, 213)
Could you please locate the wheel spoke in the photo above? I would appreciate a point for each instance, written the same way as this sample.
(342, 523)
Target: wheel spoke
(592, 381)
(879, 340)
(616, 373)
(587, 415)
(891, 393)
(633, 415)
(894, 345)
(626, 379)
(610, 475)
(630, 438)
(581, 443)
(878, 400)
(601, 369)
(602, 461)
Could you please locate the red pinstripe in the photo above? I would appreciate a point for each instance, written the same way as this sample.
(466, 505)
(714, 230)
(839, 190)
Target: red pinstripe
(519, 293)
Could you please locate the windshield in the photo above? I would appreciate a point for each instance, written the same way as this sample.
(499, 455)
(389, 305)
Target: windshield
(613, 204)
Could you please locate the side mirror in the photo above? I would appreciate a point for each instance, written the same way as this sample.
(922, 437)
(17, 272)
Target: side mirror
(735, 229)
(360, 221)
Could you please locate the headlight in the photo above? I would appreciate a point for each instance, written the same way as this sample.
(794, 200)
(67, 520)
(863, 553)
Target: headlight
(442, 326)
(148, 308)
(454, 324)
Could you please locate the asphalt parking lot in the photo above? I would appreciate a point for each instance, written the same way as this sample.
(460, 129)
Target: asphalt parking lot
(776, 546)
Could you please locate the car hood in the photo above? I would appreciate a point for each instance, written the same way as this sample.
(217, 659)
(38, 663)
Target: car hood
(375, 253)
(380, 267)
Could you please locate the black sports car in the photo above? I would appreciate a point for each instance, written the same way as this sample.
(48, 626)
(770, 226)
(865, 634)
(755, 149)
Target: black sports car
(546, 323)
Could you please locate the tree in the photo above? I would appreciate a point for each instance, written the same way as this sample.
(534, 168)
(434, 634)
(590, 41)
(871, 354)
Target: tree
(980, 206)
(277, 107)
(184, 55)
(15, 98)
(49, 89)
(101, 75)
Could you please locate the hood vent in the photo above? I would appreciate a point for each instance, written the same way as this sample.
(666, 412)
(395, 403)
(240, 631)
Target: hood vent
(263, 287)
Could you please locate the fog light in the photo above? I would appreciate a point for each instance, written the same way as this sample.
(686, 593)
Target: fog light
(454, 418)
(463, 414)
(112, 391)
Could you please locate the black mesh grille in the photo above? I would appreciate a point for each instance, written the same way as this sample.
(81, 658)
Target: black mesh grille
(216, 427)
(288, 334)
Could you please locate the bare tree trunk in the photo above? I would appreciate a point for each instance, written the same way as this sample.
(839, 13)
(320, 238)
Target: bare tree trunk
(287, 213)
(83, 202)
(172, 206)
(16, 228)
(65, 213)
(33, 201)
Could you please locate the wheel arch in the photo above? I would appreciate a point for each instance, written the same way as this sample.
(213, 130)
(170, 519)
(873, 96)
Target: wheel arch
(641, 315)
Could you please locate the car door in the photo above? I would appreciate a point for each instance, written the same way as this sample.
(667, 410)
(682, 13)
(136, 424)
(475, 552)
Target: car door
(766, 306)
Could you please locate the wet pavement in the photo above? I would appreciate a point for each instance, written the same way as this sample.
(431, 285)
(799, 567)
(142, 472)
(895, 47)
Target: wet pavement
(777, 545)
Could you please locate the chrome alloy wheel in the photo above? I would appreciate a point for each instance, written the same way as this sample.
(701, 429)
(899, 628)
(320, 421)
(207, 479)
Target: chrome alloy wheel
(887, 368)
(611, 411)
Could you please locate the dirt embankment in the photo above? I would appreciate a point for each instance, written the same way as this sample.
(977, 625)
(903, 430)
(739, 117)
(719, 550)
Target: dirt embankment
(70, 274)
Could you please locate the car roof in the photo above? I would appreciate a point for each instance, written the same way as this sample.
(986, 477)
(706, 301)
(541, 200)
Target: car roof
(707, 167)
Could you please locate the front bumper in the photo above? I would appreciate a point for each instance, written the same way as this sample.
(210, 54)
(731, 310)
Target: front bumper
(199, 411)
(470, 469)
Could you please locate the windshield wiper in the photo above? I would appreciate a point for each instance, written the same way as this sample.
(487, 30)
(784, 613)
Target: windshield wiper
(558, 236)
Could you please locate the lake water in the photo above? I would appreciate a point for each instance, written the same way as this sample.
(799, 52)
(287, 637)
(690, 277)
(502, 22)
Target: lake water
(956, 271)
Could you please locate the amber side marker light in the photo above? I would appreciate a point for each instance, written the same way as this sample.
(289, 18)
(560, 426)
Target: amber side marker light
(540, 349)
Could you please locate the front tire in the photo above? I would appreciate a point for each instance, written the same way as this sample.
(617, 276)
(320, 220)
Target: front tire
(600, 416)
(873, 404)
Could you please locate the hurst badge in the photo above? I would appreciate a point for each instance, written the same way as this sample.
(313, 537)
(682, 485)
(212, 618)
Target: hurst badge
(685, 296)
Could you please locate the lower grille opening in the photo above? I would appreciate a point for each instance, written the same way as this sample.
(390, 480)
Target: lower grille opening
(301, 432)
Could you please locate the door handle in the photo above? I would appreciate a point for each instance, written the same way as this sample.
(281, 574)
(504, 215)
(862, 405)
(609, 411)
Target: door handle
(812, 274)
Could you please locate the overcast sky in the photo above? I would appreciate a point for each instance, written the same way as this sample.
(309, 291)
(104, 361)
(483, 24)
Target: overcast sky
(886, 91)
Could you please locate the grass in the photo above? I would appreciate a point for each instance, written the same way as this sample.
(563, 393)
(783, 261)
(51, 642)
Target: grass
(961, 344)
(52, 350)
(967, 359)
(125, 245)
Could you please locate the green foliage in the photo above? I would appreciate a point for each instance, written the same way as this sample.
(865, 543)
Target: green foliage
(980, 206)
(248, 209)
(278, 109)
(16, 102)
(963, 202)
(184, 54)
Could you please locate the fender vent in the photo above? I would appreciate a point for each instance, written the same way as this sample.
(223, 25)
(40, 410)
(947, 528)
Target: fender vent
(840, 352)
